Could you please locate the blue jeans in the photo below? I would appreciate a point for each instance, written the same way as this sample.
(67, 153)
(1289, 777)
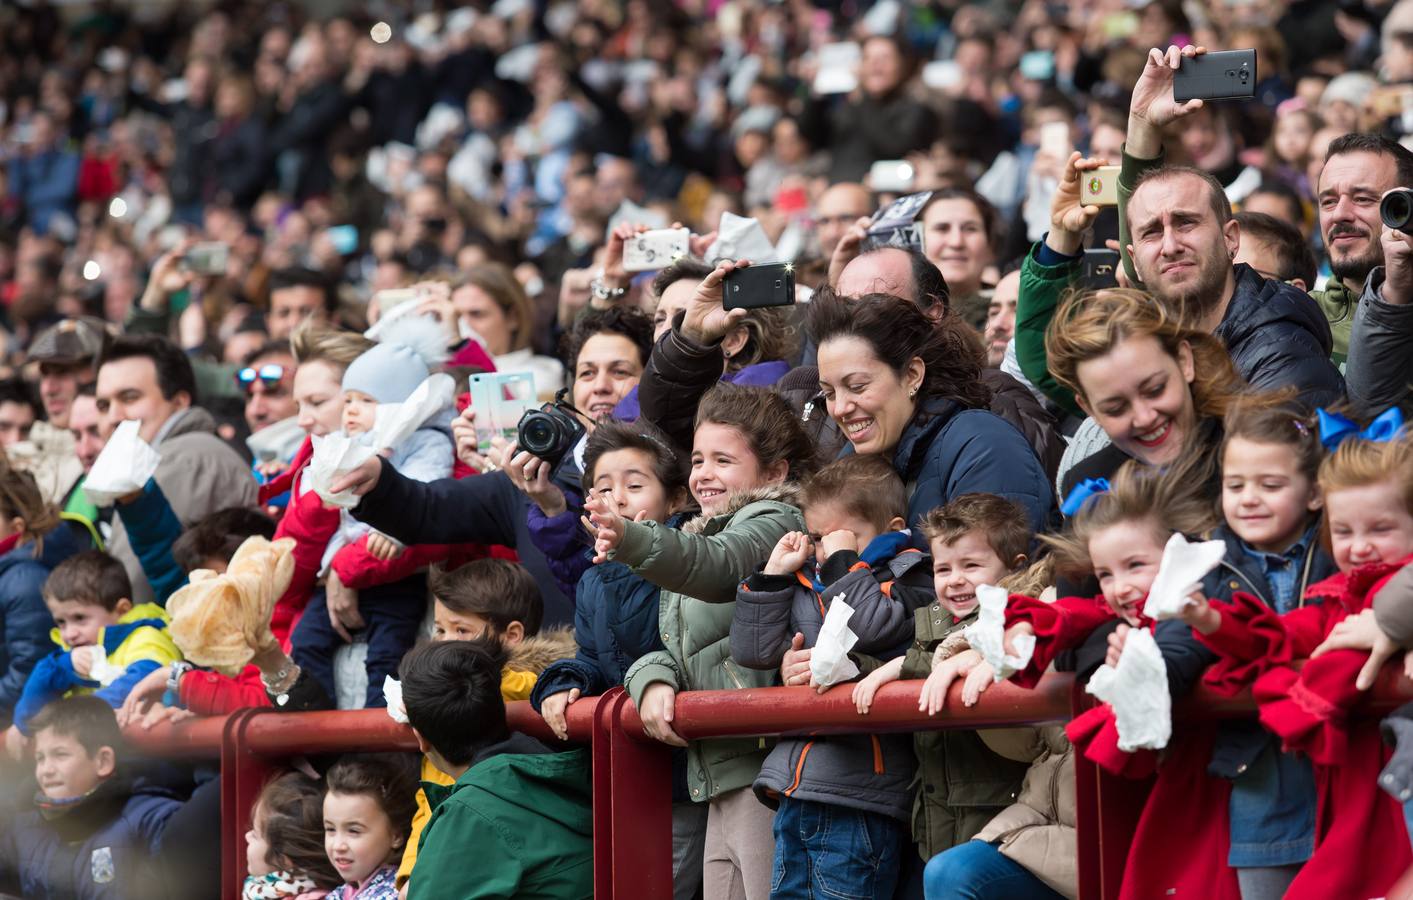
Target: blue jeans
(976, 870)
(827, 851)
(392, 614)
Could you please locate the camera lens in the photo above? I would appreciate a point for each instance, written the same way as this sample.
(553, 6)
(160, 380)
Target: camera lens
(1396, 210)
(537, 434)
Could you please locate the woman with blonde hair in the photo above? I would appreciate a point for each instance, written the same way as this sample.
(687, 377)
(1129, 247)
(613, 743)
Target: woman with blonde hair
(1157, 388)
(490, 301)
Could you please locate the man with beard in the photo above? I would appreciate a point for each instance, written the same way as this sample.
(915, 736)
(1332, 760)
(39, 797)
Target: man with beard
(1180, 239)
(1380, 366)
(1359, 169)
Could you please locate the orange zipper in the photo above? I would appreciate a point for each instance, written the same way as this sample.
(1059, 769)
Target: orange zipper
(799, 769)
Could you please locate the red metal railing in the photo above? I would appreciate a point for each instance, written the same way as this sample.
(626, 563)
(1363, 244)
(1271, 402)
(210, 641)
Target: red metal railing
(632, 775)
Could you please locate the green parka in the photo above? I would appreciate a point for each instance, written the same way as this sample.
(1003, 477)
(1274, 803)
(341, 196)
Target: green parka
(698, 569)
(517, 824)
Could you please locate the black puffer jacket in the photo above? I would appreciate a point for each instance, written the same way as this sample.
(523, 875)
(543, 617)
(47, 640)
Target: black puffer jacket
(1278, 337)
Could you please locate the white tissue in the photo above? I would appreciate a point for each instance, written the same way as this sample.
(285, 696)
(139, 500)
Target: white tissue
(102, 671)
(392, 693)
(338, 453)
(333, 456)
(829, 661)
(1181, 572)
(738, 237)
(124, 466)
(1137, 689)
(986, 635)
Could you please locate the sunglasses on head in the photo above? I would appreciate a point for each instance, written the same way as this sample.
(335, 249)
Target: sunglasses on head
(270, 375)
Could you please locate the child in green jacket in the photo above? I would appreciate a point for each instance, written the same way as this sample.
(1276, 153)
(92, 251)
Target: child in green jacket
(749, 452)
(523, 810)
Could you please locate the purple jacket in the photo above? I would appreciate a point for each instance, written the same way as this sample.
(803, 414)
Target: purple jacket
(763, 374)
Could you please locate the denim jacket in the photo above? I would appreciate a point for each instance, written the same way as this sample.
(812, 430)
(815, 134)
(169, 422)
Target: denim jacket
(1272, 805)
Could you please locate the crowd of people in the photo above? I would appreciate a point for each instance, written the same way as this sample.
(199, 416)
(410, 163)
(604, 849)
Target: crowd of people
(335, 377)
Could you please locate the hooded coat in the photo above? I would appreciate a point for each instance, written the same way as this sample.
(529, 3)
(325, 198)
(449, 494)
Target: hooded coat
(698, 569)
(527, 813)
(528, 660)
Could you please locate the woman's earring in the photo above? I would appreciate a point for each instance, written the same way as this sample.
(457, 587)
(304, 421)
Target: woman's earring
(912, 392)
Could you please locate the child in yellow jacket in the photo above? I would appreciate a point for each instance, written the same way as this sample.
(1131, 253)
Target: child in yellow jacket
(107, 645)
(497, 602)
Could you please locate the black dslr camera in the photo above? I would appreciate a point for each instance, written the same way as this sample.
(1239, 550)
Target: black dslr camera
(1396, 209)
(551, 431)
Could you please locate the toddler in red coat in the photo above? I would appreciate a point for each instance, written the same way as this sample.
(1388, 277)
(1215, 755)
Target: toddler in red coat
(1361, 840)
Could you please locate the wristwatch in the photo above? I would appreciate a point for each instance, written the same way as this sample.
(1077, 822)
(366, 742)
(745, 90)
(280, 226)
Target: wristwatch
(174, 682)
(602, 291)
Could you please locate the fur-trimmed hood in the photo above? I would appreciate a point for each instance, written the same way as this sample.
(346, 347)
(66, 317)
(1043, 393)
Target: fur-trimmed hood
(788, 492)
(534, 654)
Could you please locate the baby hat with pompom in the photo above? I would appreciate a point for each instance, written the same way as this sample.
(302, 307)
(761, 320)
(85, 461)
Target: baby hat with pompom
(410, 349)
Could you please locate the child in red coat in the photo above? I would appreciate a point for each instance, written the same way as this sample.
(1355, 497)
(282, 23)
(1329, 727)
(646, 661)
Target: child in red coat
(1361, 840)
(1180, 844)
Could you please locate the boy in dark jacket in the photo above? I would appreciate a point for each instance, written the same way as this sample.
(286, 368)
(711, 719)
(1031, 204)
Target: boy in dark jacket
(93, 834)
(858, 551)
(963, 781)
(525, 808)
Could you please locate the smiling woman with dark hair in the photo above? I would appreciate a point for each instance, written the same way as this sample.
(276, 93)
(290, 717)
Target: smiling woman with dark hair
(908, 387)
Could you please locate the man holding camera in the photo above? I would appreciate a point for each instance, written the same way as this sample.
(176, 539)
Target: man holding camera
(1359, 169)
(1380, 365)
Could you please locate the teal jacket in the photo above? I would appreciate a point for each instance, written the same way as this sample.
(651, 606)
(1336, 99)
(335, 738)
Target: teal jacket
(517, 824)
(699, 569)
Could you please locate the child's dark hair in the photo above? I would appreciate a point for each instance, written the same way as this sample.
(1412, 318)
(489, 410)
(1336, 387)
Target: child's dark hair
(390, 778)
(863, 486)
(498, 591)
(85, 718)
(293, 807)
(1166, 500)
(1002, 522)
(766, 421)
(92, 577)
(451, 691)
(219, 535)
(1286, 425)
(669, 465)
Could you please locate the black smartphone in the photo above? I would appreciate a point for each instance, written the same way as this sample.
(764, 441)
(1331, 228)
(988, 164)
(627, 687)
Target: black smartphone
(755, 287)
(1099, 270)
(1223, 75)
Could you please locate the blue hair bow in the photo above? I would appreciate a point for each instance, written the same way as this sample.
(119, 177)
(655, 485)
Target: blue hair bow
(1334, 428)
(1082, 493)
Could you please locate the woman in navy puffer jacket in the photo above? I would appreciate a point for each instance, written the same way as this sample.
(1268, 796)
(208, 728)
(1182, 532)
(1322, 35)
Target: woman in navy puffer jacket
(909, 388)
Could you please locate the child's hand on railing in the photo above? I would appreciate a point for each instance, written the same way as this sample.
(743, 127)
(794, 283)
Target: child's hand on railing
(553, 710)
(981, 677)
(659, 705)
(865, 690)
(934, 690)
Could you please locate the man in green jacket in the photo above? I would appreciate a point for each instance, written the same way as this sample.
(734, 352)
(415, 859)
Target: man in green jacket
(518, 822)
